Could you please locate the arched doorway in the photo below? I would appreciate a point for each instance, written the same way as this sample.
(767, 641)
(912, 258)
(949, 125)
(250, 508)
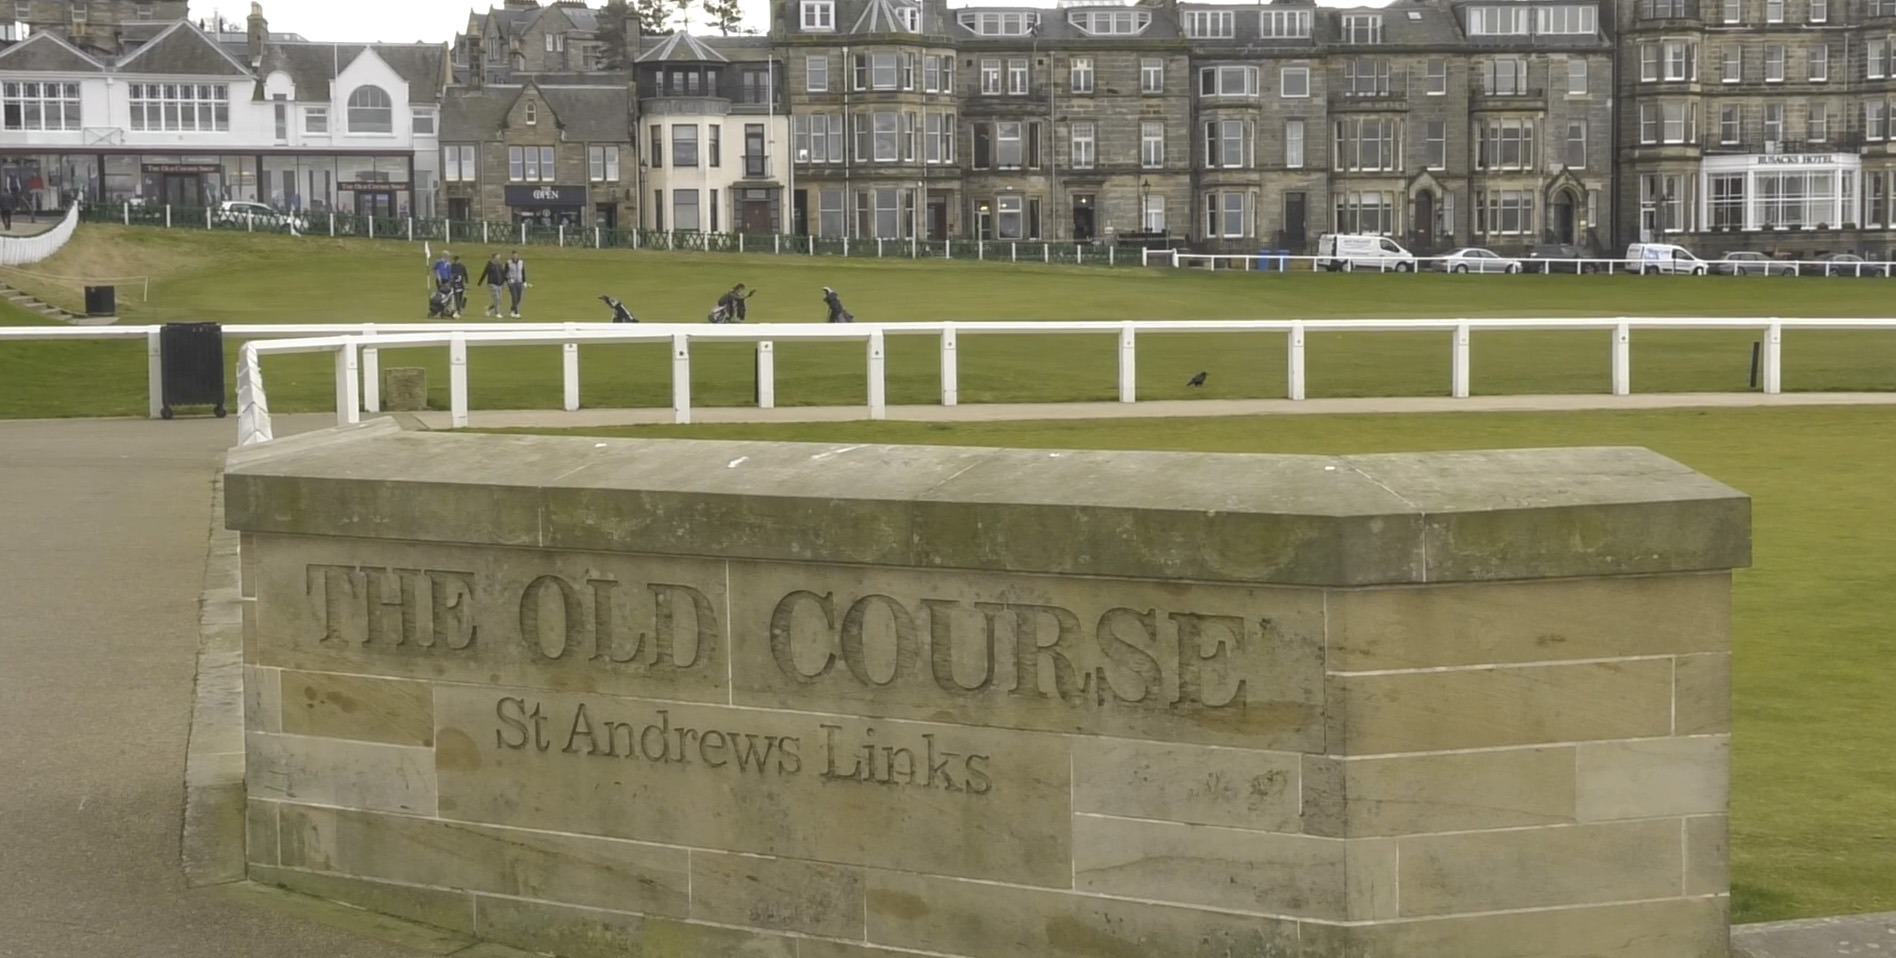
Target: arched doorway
(1566, 218)
(1422, 220)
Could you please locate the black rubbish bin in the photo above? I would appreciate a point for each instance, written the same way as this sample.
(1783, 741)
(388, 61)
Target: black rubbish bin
(101, 301)
(192, 358)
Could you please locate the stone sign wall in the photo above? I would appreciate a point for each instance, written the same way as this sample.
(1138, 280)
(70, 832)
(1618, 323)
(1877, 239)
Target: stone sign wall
(683, 699)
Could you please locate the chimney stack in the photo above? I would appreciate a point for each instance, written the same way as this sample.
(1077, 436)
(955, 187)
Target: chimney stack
(259, 34)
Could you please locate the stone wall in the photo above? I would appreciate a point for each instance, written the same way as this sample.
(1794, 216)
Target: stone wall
(715, 698)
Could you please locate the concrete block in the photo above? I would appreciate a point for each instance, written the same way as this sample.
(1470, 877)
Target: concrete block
(1652, 778)
(1503, 706)
(1186, 783)
(404, 389)
(357, 707)
(1540, 867)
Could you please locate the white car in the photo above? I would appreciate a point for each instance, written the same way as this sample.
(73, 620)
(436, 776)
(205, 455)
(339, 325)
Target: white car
(1474, 259)
(247, 215)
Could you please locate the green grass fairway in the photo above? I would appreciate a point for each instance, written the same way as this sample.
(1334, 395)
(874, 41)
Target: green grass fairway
(1814, 791)
(246, 278)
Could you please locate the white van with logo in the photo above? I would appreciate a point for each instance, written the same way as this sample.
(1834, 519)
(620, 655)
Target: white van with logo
(1645, 258)
(1354, 251)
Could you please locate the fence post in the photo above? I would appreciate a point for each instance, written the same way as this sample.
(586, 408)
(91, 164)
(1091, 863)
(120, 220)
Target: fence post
(878, 247)
(154, 372)
(483, 230)
(1623, 360)
(1111, 257)
(411, 229)
(1459, 367)
(878, 373)
(332, 223)
(950, 368)
(457, 380)
(371, 370)
(128, 212)
(598, 243)
(980, 252)
(1013, 252)
(1294, 378)
(348, 398)
(681, 378)
(1128, 364)
(766, 374)
(569, 373)
(776, 243)
(845, 244)
(562, 235)
(371, 219)
(1774, 358)
(1046, 252)
(207, 217)
(447, 230)
(1079, 255)
(167, 216)
(523, 232)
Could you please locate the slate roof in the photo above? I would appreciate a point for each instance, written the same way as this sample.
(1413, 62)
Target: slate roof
(313, 66)
(880, 16)
(1405, 24)
(184, 50)
(593, 114)
(469, 115)
(681, 48)
(48, 53)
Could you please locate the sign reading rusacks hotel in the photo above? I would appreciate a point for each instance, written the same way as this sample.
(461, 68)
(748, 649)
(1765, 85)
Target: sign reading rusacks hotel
(999, 703)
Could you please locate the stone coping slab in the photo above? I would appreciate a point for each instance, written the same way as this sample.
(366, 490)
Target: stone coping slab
(1209, 517)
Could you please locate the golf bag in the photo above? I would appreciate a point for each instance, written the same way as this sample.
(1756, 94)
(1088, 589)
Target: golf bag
(441, 301)
(619, 313)
(722, 314)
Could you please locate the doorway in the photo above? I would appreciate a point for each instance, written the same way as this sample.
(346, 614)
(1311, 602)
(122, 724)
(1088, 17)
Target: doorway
(606, 216)
(1565, 220)
(183, 189)
(1083, 219)
(1422, 220)
(379, 203)
(1296, 226)
(800, 212)
(753, 213)
(460, 209)
(938, 218)
(984, 221)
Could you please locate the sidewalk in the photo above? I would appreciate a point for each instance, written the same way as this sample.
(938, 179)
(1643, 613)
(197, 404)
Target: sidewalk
(1817, 937)
(1161, 408)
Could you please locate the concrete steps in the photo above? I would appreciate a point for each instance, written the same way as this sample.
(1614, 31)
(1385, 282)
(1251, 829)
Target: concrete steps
(34, 304)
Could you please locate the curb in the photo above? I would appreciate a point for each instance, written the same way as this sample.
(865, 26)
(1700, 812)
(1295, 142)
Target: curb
(213, 840)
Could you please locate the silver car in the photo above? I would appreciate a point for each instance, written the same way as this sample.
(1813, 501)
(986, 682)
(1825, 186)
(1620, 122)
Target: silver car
(1753, 264)
(1474, 259)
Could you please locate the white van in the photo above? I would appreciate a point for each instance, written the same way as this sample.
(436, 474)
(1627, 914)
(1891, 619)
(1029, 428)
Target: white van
(1353, 251)
(1644, 258)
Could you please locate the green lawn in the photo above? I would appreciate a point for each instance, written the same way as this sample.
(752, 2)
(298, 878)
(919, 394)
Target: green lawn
(244, 278)
(1814, 792)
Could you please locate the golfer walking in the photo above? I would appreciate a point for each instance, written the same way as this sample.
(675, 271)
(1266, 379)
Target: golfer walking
(494, 277)
(516, 280)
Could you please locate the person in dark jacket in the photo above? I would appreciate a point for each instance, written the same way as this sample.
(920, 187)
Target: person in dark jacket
(457, 281)
(837, 314)
(494, 277)
(731, 305)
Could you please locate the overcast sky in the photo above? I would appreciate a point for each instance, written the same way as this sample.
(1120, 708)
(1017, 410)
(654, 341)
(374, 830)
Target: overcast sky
(407, 21)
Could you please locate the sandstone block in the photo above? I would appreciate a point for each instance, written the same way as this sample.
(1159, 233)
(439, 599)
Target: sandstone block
(1707, 855)
(361, 708)
(1499, 623)
(1702, 690)
(778, 894)
(439, 907)
(595, 872)
(1540, 867)
(1410, 794)
(320, 771)
(1490, 707)
(263, 700)
(1676, 928)
(1258, 872)
(1186, 783)
(1651, 778)
(404, 389)
(588, 933)
(260, 832)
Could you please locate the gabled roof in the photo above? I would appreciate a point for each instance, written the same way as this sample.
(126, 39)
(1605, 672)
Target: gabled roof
(682, 48)
(469, 115)
(313, 67)
(184, 50)
(596, 114)
(49, 53)
(880, 16)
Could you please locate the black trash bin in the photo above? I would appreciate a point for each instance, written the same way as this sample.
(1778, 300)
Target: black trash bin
(192, 358)
(101, 301)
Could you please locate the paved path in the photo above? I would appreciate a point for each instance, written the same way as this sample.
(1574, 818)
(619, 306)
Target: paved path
(103, 530)
(996, 412)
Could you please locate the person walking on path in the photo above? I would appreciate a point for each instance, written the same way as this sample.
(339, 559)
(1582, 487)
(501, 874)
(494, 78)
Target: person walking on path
(494, 277)
(6, 210)
(457, 281)
(516, 280)
(837, 314)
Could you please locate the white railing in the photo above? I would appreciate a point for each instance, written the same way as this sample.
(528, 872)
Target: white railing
(1268, 261)
(356, 350)
(24, 250)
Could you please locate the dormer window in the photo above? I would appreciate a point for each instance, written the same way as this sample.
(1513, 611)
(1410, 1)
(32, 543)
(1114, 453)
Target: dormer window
(533, 114)
(911, 18)
(989, 23)
(1210, 24)
(1110, 23)
(1363, 28)
(819, 15)
(1285, 24)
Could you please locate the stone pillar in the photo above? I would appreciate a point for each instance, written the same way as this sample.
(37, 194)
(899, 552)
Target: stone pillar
(804, 701)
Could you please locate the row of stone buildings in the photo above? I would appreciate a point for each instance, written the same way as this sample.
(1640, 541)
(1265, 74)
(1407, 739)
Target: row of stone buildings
(1723, 123)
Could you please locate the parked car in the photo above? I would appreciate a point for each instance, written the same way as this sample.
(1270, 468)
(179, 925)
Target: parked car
(1474, 259)
(1843, 264)
(1753, 264)
(1354, 251)
(1560, 258)
(1648, 258)
(249, 215)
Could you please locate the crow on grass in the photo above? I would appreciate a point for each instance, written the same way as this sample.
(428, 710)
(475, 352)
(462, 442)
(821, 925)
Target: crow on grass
(1198, 380)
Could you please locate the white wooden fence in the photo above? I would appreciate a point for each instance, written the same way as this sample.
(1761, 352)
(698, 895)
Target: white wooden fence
(356, 350)
(26, 250)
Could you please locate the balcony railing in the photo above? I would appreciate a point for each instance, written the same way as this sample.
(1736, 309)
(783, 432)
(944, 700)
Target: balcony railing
(756, 167)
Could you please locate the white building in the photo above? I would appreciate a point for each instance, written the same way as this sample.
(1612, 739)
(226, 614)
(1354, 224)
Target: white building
(187, 118)
(716, 135)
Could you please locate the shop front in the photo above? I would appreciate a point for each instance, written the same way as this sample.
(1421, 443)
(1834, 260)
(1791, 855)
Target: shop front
(368, 184)
(547, 205)
(1781, 191)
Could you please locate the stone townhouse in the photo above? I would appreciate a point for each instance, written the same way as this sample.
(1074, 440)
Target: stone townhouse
(95, 26)
(1757, 124)
(550, 151)
(520, 36)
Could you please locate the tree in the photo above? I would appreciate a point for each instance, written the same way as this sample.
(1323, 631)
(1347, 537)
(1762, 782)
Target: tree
(655, 16)
(726, 15)
(613, 54)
